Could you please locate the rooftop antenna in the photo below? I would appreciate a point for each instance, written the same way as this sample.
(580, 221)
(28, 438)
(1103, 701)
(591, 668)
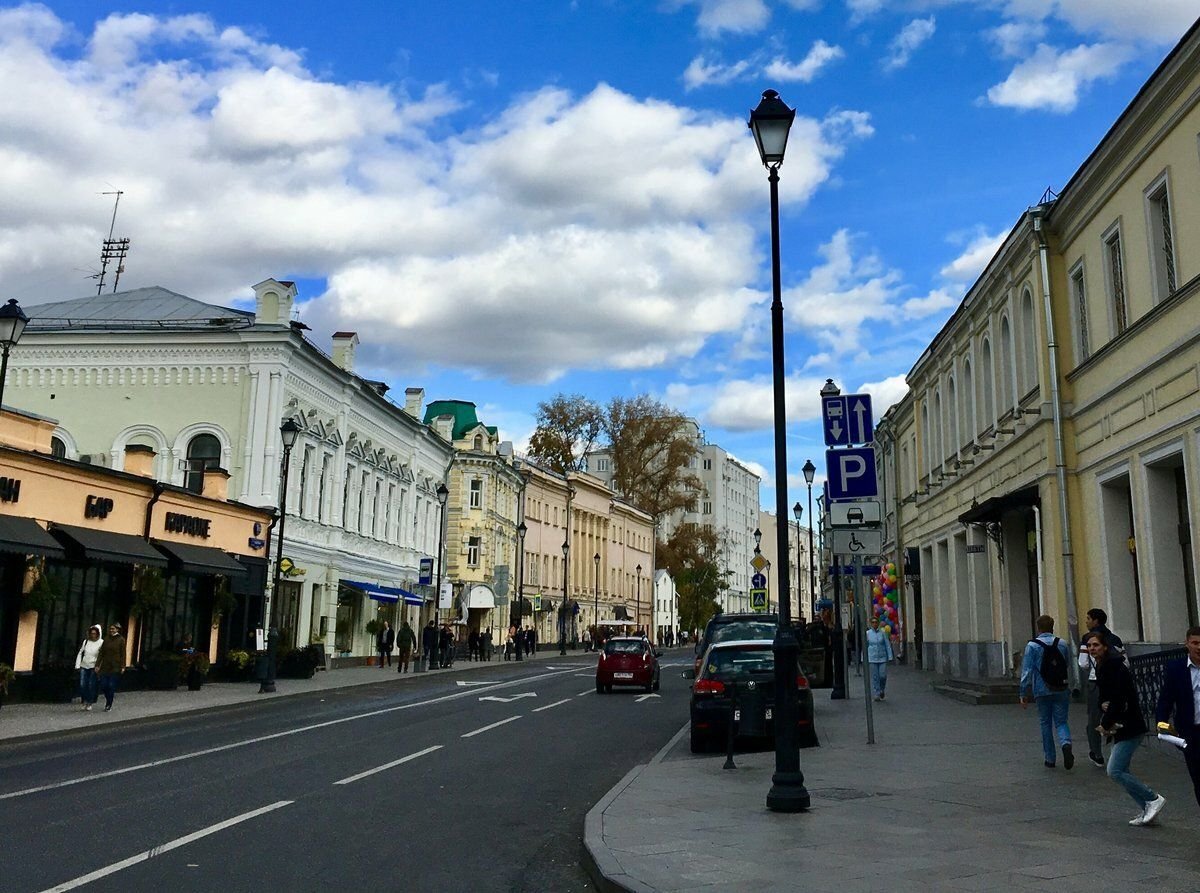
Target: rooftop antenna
(112, 249)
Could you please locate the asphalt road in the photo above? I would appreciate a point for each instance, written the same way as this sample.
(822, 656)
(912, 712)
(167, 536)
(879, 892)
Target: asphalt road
(430, 786)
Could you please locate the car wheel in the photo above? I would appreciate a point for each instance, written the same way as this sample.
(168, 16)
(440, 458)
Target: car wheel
(599, 689)
(699, 742)
(608, 689)
(657, 682)
(649, 687)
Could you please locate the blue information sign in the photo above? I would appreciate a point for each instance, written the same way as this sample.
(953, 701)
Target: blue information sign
(758, 581)
(851, 473)
(425, 572)
(847, 419)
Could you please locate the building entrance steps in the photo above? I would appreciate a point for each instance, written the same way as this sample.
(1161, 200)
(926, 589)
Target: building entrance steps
(979, 691)
(952, 797)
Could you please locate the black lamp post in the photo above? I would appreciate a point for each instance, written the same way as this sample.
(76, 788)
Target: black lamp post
(770, 122)
(758, 551)
(596, 593)
(810, 472)
(562, 609)
(521, 531)
(637, 616)
(798, 513)
(289, 431)
(839, 642)
(443, 494)
(12, 324)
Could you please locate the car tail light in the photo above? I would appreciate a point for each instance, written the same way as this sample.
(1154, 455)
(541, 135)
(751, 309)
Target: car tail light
(708, 687)
(801, 681)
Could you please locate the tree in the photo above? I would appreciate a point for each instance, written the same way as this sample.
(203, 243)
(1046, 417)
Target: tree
(692, 556)
(567, 428)
(652, 447)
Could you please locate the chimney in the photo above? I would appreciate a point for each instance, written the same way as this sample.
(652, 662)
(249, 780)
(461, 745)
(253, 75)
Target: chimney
(273, 302)
(414, 398)
(444, 426)
(216, 484)
(139, 460)
(343, 350)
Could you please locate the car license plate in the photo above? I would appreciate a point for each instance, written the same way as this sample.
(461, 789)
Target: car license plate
(737, 714)
(622, 675)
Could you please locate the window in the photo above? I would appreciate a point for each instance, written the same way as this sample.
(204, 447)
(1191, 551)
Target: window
(203, 451)
(476, 493)
(1079, 300)
(602, 465)
(1116, 283)
(986, 387)
(708, 508)
(968, 402)
(473, 551)
(1029, 345)
(346, 495)
(1162, 243)
(708, 464)
(479, 442)
(304, 464)
(58, 449)
(322, 485)
(362, 502)
(1007, 368)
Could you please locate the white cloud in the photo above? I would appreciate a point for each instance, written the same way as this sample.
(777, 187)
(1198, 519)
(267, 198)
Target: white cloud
(1017, 39)
(979, 251)
(717, 17)
(748, 404)
(860, 10)
(937, 300)
(1052, 80)
(1162, 21)
(819, 55)
(884, 394)
(703, 72)
(908, 41)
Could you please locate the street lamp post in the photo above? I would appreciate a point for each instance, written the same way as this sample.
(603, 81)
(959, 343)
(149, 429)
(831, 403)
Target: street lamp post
(810, 472)
(596, 593)
(839, 641)
(770, 122)
(798, 512)
(289, 431)
(521, 531)
(566, 550)
(758, 551)
(12, 324)
(637, 616)
(443, 494)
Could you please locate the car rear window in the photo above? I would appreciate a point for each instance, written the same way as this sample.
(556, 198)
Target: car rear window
(744, 629)
(739, 662)
(623, 647)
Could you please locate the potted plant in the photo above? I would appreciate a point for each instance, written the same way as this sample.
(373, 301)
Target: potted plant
(164, 670)
(6, 676)
(237, 666)
(194, 668)
(224, 600)
(42, 595)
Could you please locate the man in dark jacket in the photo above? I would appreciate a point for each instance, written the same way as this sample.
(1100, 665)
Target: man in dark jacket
(406, 643)
(1180, 698)
(446, 646)
(1096, 620)
(429, 645)
(385, 641)
(110, 663)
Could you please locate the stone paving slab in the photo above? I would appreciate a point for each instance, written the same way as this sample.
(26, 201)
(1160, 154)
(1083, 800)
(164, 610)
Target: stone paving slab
(951, 797)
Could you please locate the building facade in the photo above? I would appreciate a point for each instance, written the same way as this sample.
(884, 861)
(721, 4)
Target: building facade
(800, 581)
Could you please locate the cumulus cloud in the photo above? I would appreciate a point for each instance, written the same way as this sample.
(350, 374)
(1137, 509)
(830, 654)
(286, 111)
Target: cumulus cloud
(1053, 80)
(884, 394)
(717, 17)
(908, 41)
(970, 263)
(704, 70)
(1017, 39)
(747, 404)
(936, 301)
(1155, 20)
(819, 56)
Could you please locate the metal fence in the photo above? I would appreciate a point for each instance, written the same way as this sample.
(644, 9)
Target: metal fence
(1147, 672)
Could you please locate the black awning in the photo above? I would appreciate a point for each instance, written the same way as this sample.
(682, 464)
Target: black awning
(992, 509)
(100, 545)
(26, 536)
(200, 559)
(620, 612)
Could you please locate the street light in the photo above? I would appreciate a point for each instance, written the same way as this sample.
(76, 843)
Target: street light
(798, 513)
(12, 324)
(443, 494)
(521, 531)
(637, 617)
(288, 432)
(771, 122)
(596, 593)
(566, 550)
(810, 472)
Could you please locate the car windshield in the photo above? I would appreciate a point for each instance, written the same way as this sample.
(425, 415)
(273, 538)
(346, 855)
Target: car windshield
(744, 629)
(623, 646)
(739, 662)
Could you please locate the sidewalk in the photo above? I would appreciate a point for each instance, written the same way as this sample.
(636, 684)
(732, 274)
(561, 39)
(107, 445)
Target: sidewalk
(951, 797)
(30, 721)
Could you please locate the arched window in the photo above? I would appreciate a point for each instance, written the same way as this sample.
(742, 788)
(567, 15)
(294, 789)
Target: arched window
(928, 443)
(987, 387)
(952, 418)
(1029, 346)
(968, 402)
(479, 442)
(58, 449)
(203, 451)
(1007, 369)
(939, 432)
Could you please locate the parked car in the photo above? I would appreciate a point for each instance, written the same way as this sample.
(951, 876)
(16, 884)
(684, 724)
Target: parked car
(739, 675)
(627, 660)
(727, 627)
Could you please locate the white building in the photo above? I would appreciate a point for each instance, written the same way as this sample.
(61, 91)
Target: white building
(207, 386)
(666, 606)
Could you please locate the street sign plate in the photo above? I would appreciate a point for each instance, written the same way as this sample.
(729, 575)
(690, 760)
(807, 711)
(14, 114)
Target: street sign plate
(865, 512)
(759, 563)
(425, 574)
(976, 549)
(847, 419)
(863, 542)
(851, 474)
(833, 418)
(758, 600)
(758, 581)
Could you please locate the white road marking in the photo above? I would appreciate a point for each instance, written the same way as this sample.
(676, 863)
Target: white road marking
(524, 694)
(462, 682)
(284, 734)
(490, 727)
(584, 675)
(582, 693)
(641, 698)
(393, 763)
(164, 848)
(548, 706)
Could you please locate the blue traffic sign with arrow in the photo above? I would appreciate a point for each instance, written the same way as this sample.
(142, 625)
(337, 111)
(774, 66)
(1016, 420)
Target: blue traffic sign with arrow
(847, 420)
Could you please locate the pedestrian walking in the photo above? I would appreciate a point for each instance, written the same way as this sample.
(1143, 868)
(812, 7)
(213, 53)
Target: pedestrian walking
(1179, 703)
(510, 643)
(530, 641)
(446, 646)
(587, 640)
(473, 645)
(1044, 676)
(110, 663)
(429, 645)
(1121, 721)
(406, 644)
(1096, 620)
(879, 654)
(489, 645)
(85, 663)
(384, 642)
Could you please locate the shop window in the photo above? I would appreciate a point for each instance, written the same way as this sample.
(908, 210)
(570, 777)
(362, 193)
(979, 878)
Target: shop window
(203, 452)
(186, 610)
(87, 595)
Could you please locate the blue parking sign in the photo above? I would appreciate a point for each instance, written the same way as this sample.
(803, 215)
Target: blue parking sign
(851, 473)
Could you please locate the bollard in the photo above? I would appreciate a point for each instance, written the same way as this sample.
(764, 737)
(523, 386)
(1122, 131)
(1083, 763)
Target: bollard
(729, 736)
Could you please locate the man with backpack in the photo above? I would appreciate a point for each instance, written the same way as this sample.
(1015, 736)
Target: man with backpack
(1044, 675)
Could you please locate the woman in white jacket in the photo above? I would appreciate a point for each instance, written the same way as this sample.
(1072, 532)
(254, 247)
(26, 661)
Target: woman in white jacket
(85, 663)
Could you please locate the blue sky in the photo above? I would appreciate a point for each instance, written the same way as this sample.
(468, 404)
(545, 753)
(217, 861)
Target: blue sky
(509, 200)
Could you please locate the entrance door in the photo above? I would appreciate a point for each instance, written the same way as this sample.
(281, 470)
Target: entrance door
(12, 579)
(1185, 544)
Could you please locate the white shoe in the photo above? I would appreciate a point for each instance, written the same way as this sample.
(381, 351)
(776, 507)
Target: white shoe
(88, 707)
(1139, 820)
(1153, 808)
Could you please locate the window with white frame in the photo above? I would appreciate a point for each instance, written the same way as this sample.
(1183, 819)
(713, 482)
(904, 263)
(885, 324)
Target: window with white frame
(1029, 347)
(1115, 262)
(986, 386)
(1079, 303)
(473, 551)
(1007, 367)
(968, 402)
(305, 464)
(1162, 241)
(476, 493)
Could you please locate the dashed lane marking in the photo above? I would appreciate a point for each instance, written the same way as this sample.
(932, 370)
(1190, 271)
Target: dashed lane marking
(392, 764)
(548, 706)
(488, 728)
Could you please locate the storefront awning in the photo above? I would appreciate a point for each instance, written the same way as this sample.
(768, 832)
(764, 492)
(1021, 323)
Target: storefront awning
(200, 559)
(101, 545)
(621, 612)
(481, 596)
(26, 536)
(992, 509)
(383, 593)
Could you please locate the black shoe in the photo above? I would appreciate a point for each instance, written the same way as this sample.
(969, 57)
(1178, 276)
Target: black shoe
(1049, 765)
(107, 707)
(1068, 757)
(1096, 760)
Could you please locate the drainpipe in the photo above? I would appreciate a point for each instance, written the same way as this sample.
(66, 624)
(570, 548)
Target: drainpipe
(1038, 214)
(159, 487)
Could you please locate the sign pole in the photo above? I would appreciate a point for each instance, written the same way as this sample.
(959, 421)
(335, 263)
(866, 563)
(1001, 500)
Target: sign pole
(862, 646)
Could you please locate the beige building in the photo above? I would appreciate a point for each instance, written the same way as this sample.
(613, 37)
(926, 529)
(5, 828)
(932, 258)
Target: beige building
(1045, 457)
(800, 582)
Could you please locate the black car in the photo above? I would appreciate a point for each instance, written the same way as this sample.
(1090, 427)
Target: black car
(738, 677)
(726, 627)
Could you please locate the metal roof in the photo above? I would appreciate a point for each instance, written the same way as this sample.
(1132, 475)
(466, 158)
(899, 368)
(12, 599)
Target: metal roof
(140, 308)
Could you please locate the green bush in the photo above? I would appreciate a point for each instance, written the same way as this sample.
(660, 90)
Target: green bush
(299, 663)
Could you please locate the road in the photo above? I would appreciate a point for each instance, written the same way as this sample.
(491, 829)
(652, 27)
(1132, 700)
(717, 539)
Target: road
(435, 786)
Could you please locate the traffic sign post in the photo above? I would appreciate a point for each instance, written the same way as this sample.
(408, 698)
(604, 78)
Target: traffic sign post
(851, 474)
(847, 420)
(758, 581)
(858, 543)
(758, 600)
(866, 512)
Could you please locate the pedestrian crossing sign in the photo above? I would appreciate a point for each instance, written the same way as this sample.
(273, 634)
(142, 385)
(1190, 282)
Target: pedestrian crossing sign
(758, 600)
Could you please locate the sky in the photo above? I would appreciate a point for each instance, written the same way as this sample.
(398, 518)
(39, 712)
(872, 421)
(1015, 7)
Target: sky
(511, 200)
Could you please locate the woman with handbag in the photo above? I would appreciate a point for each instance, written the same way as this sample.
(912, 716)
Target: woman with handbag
(85, 663)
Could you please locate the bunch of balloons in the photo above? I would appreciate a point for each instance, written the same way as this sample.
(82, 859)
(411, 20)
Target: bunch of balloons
(883, 601)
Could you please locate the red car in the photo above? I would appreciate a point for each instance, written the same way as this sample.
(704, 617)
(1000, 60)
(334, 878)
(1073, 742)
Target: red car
(627, 660)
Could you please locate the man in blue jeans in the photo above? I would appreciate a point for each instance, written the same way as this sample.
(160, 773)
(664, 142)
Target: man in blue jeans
(1053, 696)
